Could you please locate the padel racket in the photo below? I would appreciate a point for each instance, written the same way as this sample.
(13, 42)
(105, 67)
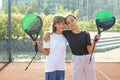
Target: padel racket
(32, 25)
(104, 21)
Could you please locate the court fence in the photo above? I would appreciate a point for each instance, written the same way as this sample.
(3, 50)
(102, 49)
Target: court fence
(23, 50)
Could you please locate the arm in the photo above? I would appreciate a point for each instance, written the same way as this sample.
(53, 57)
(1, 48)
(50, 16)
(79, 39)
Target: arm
(45, 51)
(92, 47)
(46, 36)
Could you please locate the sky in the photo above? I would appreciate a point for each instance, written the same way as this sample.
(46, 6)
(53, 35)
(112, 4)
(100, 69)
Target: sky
(0, 3)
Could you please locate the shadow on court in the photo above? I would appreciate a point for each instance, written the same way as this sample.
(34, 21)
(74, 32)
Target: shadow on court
(3, 65)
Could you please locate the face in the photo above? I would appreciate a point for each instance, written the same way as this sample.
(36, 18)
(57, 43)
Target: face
(71, 22)
(60, 26)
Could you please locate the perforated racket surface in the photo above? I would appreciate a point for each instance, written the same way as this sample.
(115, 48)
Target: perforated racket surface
(32, 25)
(104, 20)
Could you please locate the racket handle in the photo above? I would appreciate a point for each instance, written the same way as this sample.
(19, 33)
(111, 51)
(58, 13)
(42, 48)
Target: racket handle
(90, 59)
(99, 32)
(36, 48)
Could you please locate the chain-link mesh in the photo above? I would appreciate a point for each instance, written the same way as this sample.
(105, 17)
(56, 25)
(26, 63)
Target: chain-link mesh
(23, 50)
(3, 50)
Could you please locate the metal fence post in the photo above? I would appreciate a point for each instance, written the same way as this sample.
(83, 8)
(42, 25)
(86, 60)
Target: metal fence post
(9, 32)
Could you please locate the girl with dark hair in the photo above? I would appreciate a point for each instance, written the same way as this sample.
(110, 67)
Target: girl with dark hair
(82, 48)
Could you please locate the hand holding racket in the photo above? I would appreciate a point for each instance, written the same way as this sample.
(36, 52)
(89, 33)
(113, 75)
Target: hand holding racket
(32, 25)
(97, 37)
(104, 21)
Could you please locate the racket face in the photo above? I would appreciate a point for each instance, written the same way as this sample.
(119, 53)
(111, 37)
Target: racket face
(32, 25)
(105, 20)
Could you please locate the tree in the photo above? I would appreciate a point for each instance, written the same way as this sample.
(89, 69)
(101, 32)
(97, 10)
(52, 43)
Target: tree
(60, 10)
(3, 26)
(15, 9)
(47, 22)
(30, 10)
(21, 8)
(17, 31)
(46, 10)
(76, 13)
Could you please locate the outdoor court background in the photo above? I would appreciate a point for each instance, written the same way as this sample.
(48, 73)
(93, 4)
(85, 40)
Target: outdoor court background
(107, 67)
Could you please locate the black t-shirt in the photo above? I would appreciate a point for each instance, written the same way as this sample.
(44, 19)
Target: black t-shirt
(78, 42)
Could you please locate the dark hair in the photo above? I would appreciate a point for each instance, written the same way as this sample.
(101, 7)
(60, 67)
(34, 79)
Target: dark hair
(68, 16)
(57, 19)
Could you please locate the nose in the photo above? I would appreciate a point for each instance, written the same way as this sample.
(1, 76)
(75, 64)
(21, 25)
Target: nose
(70, 22)
(62, 26)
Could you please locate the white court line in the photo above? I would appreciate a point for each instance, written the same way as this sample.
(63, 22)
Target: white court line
(103, 74)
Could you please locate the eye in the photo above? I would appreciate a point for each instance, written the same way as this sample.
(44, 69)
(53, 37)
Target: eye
(63, 23)
(59, 23)
(68, 22)
(72, 20)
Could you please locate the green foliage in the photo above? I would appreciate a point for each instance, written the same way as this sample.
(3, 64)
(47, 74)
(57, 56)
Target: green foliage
(83, 25)
(30, 10)
(21, 8)
(18, 33)
(46, 10)
(3, 26)
(5, 10)
(61, 10)
(76, 13)
(47, 22)
(116, 27)
(92, 25)
(15, 9)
